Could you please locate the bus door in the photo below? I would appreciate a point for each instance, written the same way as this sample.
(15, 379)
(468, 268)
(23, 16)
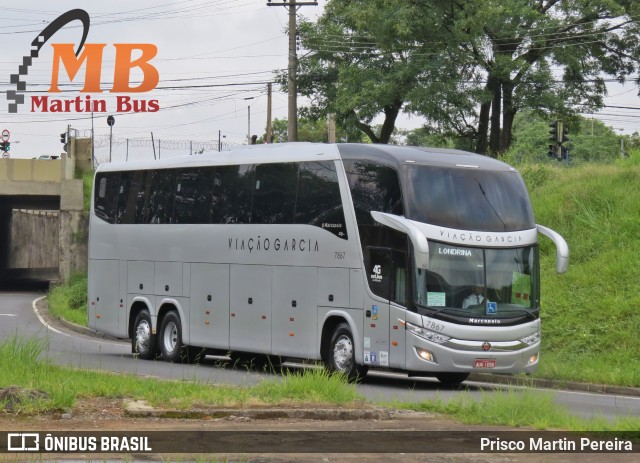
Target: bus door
(387, 278)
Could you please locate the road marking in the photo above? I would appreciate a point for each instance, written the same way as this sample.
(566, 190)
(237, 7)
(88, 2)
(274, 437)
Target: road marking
(42, 320)
(8, 315)
(35, 309)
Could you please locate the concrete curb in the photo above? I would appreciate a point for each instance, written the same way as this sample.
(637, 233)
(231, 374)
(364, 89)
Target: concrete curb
(43, 307)
(140, 409)
(523, 381)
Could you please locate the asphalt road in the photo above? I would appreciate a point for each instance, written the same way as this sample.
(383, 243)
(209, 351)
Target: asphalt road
(66, 347)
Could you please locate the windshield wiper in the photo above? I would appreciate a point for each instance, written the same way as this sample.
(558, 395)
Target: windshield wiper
(527, 312)
(484, 194)
(434, 310)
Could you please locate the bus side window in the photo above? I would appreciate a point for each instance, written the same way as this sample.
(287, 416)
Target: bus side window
(387, 274)
(275, 193)
(232, 195)
(160, 191)
(318, 200)
(106, 196)
(194, 188)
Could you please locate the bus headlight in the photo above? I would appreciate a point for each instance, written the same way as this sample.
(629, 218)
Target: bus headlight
(532, 339)
(432, 336)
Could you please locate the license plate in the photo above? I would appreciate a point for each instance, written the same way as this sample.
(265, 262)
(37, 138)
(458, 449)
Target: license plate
(484, 363)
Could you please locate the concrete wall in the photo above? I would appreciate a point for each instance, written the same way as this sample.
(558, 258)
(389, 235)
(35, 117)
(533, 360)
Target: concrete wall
(31, 170)
(32, 184)
(82, 154)
(33, 239)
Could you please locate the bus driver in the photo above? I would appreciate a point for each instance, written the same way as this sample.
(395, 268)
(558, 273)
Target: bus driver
(476, 297)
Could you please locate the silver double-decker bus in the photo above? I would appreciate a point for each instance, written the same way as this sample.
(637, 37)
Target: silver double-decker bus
(420, 260)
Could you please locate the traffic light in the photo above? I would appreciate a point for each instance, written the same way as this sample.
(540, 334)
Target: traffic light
(5, 146)
(553, 133)
(63, 140)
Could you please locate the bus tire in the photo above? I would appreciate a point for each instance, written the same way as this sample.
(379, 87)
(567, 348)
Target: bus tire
(341, 357)
(452, 379)
(170, 337)
(143, 341)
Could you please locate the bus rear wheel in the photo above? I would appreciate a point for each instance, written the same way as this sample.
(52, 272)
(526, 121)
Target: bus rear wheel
(143, 342)
(452, 379)
(171, 337)
(340, 357)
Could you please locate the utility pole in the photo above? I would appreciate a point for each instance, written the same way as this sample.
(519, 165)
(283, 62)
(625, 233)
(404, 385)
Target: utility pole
(292, 83)
(269, 123)
(331, 128)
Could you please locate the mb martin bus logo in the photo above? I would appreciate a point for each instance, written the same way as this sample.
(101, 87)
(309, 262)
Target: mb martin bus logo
(89, 54)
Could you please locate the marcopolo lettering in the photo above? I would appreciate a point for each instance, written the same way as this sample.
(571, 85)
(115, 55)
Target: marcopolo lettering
(485, 321)
(261, 244)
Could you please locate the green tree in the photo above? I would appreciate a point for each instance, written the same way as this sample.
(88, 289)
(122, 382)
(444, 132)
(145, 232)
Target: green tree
(467, 66)
(515, 43)
(589, 139)
(311, 130)
(362, 65)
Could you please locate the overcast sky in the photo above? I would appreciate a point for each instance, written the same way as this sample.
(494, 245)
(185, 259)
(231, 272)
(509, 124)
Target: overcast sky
(203, 46)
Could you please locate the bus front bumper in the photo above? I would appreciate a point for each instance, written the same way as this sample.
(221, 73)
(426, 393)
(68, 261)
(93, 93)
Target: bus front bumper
(479, 357)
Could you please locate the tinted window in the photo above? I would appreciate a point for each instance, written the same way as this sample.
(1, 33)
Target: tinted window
(374, 187)
(232, 197)
(107, 187)
(468, 199)
(387, 273)
(160, 191)
(275, 193)
(194, 188)
(133, 200)
(318, 200)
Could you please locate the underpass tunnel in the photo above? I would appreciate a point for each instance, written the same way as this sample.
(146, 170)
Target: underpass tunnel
(29, 238)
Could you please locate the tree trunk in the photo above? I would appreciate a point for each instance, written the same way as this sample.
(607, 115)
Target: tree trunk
(390, 115)
(482, 141)
(496, 103)
(508, 114)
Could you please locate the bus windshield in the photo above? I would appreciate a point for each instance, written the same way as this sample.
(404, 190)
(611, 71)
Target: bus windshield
(479, 283)
(468, 199)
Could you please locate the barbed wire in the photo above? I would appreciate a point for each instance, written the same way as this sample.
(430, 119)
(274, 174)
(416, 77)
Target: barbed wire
(103, 141)
(140, 148)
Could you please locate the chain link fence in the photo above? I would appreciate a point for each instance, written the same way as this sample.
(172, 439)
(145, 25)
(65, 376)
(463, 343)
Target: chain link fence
(116, 149)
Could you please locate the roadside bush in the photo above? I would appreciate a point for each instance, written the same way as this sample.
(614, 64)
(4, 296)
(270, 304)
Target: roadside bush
(69, 300)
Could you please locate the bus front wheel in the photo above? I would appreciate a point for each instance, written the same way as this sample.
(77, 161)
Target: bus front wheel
(143, 341)
(341, 356)
(171, 337)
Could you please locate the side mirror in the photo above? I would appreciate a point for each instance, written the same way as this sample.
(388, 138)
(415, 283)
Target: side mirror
(419, 241)
(562, 248)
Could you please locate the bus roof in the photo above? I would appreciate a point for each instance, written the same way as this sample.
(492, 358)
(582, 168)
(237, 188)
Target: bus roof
(297, 152)
(400, 155)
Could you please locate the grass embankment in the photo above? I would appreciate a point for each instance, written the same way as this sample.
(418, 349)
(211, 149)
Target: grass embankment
(591, 314)
(23, 363)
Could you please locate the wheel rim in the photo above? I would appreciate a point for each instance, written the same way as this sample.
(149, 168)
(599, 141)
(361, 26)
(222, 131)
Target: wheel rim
(143, 336)
(343, 353)
(170, 337)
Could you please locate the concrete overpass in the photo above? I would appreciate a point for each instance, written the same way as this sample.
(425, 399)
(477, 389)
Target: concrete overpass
(42, 227)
